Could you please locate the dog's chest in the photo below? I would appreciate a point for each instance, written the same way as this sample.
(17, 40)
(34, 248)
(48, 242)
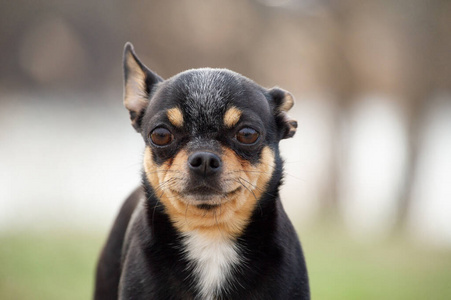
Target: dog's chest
(213, 259)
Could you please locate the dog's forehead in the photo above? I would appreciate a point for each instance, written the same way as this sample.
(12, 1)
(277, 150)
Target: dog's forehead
(205, 93)
(204, 96)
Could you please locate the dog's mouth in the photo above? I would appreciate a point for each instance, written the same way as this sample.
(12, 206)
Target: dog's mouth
(202, 191)
(205, 197)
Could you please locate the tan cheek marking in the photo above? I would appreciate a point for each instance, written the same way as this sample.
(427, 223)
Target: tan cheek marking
(256, 179)
(154, 173)
(232, 116)
(232, 216)
(163, 178)
(175, 116)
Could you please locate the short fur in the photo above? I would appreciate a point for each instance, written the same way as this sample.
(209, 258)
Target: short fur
(207, 222)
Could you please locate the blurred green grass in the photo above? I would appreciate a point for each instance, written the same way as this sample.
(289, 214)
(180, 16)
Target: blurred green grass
(341, 268)
(47, 266)
(61, 266)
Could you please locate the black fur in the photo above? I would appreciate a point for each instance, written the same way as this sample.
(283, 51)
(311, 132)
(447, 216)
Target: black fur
(144, 256)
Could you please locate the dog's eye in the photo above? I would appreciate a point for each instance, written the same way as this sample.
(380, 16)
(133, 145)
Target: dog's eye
(247, 136)
(161, 136)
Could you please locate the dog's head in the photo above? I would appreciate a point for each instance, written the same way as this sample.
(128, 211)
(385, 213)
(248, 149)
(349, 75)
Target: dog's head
(211, 141)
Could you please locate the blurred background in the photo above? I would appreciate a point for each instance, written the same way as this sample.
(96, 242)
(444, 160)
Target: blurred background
(368, 174)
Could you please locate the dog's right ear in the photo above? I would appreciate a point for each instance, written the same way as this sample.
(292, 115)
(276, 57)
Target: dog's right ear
(138, 83)
(283, 102)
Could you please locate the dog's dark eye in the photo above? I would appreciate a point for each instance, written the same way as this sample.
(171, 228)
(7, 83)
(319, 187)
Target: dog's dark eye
(161, 136)
(247, 136)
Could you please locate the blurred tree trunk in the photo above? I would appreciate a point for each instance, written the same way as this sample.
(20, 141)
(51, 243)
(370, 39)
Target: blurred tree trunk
(421, 84)
(340, 77)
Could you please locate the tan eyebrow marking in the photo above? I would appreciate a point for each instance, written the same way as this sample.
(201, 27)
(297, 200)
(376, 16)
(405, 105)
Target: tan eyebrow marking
(232, 116)
(175, 116)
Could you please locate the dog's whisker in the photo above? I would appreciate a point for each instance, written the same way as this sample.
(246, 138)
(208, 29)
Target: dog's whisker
(251, 191)
(246, 171)
(165, 171)
(246, 187)
(271, 165)
(164, 183)
(186, 213)
(258, 188)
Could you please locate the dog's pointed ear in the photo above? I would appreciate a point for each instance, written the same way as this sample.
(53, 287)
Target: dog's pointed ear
(283, 101)
(138, 83)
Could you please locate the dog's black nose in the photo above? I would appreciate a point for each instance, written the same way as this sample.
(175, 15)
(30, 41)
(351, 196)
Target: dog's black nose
(204, 163)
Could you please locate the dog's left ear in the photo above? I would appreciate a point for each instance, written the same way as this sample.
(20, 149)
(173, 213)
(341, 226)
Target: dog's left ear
(138, 83)
(283, 102)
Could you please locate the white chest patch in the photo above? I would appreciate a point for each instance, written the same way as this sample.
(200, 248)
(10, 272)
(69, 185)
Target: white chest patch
(213, 259)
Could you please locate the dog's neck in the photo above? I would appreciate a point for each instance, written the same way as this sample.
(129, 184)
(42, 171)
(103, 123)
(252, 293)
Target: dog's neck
(212, 254)
(213, 259)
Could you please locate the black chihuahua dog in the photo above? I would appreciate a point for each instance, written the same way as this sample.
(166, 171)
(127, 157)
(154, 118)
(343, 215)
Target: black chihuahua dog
(207, 222)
